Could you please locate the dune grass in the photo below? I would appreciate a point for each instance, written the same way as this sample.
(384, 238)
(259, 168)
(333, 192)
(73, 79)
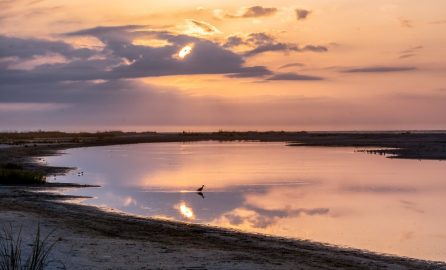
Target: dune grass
(11, 248)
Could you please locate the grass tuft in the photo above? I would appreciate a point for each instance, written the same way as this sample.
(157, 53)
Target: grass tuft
(11, 251)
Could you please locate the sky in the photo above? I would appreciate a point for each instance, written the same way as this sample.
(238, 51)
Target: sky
(222, 65)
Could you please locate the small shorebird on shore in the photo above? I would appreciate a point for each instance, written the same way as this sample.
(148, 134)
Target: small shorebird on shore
(200, 189)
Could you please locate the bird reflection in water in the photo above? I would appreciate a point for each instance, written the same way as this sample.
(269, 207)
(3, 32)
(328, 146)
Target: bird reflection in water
(199, 193)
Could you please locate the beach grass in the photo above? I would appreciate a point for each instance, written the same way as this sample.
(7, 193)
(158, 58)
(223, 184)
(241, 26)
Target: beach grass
(11, 250)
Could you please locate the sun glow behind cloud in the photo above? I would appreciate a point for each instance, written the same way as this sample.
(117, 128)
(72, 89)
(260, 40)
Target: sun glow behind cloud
(185, 51)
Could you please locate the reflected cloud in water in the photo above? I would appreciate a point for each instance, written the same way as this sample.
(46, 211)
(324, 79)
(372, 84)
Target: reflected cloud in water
(255, 217)
(383, 189)
(274, 189)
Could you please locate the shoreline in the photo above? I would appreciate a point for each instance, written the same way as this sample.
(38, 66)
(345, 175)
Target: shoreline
(275, 252)
(240, 250)
(405, 145)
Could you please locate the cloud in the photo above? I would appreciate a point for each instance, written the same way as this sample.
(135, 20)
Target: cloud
(313, 48)
(253, 12)
(258, 71)
(412, 206)
(302, 14)
(272, 47)
(407, 55)
(23, 48)
(30, 106)
(405, 23)
(120, 58)
(291, 65)
(439, 22)
(379, 69)
(233, 41)
(410, 52)
(261, 42)
(293, 77)
(202, 28)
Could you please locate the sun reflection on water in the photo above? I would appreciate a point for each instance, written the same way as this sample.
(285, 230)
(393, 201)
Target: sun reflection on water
(186, 211)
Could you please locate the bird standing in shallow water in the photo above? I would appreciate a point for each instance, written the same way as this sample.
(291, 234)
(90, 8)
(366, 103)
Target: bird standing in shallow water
(201, 189)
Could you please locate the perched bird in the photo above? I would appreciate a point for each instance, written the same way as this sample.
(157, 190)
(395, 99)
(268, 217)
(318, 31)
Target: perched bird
(200, 189)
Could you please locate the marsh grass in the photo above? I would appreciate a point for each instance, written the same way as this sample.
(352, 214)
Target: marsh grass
(11, 250)
(14, 174)
(21, 177)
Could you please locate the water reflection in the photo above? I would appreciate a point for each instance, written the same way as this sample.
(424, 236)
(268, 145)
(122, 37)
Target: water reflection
(185, 210)
(331, 195)
(200, 194)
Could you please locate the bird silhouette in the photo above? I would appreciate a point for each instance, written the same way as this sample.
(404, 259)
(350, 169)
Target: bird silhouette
(200, 189)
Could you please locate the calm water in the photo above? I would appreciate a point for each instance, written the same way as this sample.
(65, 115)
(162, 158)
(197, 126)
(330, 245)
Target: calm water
(333, 195)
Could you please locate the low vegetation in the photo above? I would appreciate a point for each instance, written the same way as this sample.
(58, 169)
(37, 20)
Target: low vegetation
(13, 174)
(11, 251)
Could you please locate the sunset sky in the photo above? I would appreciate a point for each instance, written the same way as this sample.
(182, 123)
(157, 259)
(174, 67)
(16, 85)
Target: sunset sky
(232, 65)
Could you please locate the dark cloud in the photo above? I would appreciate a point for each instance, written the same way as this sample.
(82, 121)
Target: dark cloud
(260, 39)
(291, 65)
(293, 77)
(262, 42)
(120, 58)
(257, 71)
(379, 69)
(253, 12)
(233, 41)
(302, 14)
(272, 47)
(29, 47)
(314, 48)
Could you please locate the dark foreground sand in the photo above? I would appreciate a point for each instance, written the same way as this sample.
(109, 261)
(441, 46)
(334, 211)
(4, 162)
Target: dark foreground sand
(89, 238)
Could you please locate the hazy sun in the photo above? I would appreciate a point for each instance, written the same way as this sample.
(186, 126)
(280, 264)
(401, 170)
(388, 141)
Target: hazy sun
(185, 51)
